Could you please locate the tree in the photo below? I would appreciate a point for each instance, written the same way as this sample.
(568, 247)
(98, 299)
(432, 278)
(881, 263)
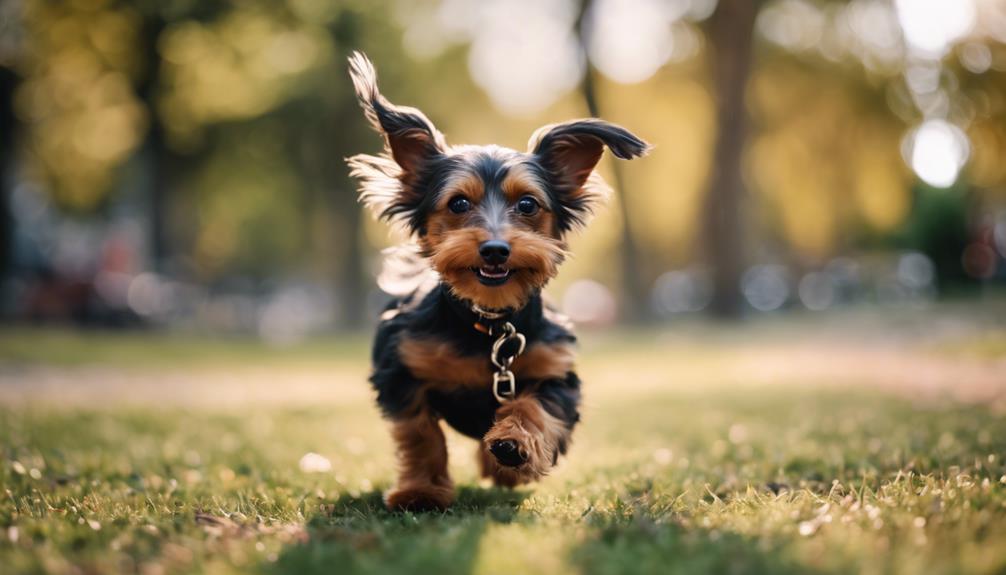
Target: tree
(634, 295)
(8, 81)
(730, 32)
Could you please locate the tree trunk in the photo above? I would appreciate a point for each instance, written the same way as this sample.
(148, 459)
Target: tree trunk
(346, 219)
(731, 32)
(634, 295)
(8, 81)
(154, 151)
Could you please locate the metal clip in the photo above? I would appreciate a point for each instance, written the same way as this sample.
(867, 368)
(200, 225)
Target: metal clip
(507, 376)
(509, 334)
(503, 373)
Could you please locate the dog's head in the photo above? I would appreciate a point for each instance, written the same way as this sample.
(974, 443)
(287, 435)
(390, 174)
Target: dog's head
(491, 220)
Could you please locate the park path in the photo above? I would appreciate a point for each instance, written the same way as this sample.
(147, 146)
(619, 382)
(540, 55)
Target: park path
(626, 365)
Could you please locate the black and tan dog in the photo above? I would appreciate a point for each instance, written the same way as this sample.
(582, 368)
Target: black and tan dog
(476, 347)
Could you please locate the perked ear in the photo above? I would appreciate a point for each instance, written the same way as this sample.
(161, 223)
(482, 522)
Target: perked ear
(387, 180)
(569, 153)
(411, 138)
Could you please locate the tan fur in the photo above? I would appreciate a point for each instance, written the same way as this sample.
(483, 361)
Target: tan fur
(537, 433)
(423, 481)
(519, 182)
(438, 363)
(535, 259)
(464, 184)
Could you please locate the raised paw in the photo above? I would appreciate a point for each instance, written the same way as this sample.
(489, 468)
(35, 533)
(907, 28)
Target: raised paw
(420, 499)
(515, 455)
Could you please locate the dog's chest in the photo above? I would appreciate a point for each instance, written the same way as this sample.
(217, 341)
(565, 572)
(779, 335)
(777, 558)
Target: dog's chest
(440, 365)
(457, 385)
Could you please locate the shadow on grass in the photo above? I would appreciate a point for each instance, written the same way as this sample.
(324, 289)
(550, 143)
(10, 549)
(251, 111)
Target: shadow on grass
(358, 535)
(641, 546)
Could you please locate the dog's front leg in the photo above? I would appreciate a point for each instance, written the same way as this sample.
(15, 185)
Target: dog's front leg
(423, 481)
(524, 443)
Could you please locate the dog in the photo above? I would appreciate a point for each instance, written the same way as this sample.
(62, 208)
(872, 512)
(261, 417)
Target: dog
(470, 341)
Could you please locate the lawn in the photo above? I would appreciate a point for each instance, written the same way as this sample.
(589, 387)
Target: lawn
(830, 445)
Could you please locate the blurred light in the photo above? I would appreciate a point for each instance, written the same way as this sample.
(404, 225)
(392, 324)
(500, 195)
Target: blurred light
(699, 10)
(291, 52)
(909, 281)
(314, 463)
(817, 291)
(737, 433)
(294, 313)
(846, 276)
(976, 57)
(792, 24)
(765, 287)
(663, 456)
(979, 261)
(876, 27)
(999, 234)
(915, 271)
(148, 296)
(113, 288)
(526, 55)
(923, 77)
(29, 205)
(589, 302)
(630, 39)
(938, 152)
(992, 19)
(681, 291)
(76, 248)
(931, 26)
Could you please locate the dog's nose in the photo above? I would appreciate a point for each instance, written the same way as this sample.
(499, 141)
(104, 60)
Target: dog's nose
(506, 453)
(494, 252)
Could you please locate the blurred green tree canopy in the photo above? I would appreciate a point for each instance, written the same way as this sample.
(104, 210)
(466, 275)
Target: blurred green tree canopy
(232, 117)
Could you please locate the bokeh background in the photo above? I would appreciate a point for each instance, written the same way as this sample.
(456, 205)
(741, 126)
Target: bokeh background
(179, 163)
(187, 286)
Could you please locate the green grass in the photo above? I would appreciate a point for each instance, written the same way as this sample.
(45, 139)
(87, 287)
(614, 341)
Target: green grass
(664, 476)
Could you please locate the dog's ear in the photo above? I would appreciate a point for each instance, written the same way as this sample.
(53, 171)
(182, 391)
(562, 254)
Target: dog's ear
(388, 181)
(410, 136)
(569, 152)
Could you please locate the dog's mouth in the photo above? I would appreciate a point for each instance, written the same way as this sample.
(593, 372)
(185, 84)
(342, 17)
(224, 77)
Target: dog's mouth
(493, 275)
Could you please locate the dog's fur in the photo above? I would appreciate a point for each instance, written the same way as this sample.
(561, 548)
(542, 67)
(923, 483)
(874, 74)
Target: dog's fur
(431, 355)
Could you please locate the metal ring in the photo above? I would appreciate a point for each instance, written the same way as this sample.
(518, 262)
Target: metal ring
(504, 375)
(498, 345)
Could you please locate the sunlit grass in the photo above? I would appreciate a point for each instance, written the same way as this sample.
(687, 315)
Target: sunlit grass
(664, 476)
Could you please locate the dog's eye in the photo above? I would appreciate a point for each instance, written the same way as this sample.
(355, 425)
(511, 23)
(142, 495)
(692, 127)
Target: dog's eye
(459, 205)
(527, 206)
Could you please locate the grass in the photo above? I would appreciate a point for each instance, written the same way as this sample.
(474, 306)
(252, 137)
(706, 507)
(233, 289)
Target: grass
(687, 461)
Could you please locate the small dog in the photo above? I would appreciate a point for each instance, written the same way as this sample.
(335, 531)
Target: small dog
(476, 346)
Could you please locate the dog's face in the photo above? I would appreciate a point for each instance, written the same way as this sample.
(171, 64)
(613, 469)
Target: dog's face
(490, 220)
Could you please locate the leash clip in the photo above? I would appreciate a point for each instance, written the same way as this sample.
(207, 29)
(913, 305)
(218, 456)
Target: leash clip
(503, 373)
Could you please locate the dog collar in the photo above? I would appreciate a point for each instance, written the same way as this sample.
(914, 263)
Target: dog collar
(507, 345)
(486, 320)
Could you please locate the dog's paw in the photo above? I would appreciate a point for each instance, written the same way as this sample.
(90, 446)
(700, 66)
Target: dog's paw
(508, 453)
(515, 458)
(420, 499)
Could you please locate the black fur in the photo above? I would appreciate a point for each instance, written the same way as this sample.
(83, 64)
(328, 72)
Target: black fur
(404, 184)
(572, 209)
(446, 318)
(386, 190)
